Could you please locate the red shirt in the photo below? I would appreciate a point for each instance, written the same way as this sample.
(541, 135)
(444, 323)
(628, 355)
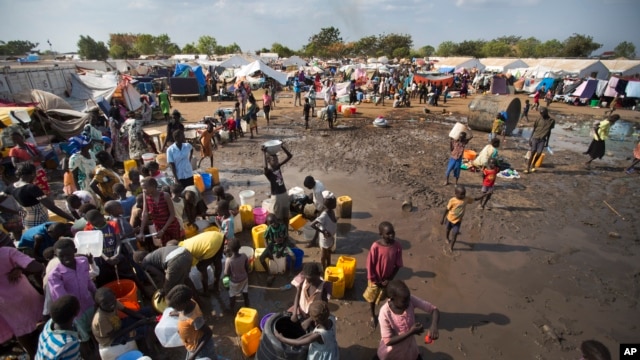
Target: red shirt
(489, 177)
(231, 124)
(383, 260)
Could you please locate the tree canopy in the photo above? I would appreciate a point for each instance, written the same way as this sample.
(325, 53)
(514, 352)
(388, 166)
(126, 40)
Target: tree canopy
(89, 49)
(17, 47)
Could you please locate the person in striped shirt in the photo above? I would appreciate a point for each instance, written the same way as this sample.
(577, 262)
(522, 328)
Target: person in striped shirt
(59, 340)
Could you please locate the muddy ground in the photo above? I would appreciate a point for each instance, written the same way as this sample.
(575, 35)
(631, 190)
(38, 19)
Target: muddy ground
(548, 267)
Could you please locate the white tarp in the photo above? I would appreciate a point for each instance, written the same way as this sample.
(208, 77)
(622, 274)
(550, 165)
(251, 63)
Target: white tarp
(294, 61)
(258, 65)
(91, 87)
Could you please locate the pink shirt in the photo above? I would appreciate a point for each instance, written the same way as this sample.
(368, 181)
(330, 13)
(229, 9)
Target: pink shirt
(20, 304)
(67, 281)
(266, 100)
(392, 324)
(383, 260)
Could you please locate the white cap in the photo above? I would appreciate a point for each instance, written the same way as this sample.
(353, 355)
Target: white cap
(328, 194)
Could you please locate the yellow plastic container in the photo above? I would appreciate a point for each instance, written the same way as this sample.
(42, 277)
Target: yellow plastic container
(250, 341)
(335, 276)
(130, 164)
(348, 266)
(257, 265)
(246, 319)
(197, 179)
(246, 215)
(540, 160)
(297, 222)
(190, 230)
(163, 137)
(344, 207)
(215, 175)
(257, 233)
(57, 218)
(161, 159)
(211, 228)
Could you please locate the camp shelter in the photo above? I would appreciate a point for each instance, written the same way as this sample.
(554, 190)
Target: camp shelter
(235, 61)
(623, 67)
(17, 81)
(450, 64)
(85, 89)
(258, 65)
(188, 71)
(5, 110)
(586, 89)
(502, 65)
(294, 61)
(581, 68)
(445, 80)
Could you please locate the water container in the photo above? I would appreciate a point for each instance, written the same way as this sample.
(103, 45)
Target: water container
(167, 330)
(251, 341)
(246, 215)
(237, 224)
(207, 180)
(469, 155)
(308, 232)
(130, 164)
(246, 319)
(259, 216)
(348, 266)
(335, 276)
(299, 254)
(257, 234)
(215, 176)
(211, 228)
(148, 157)
(247, 197)
(457, 129)
(89, 242)
(197, 179)
(344, 207)
(159, 304)
(296, 191)
(353, 110)
(346, 112)
(273, 349)
(130, 355)
(127, 293)
(264, 320)
(297, 222)
(268, 205)
(540, 160)
(257, 265)
(277, 265)
(247, 250)
(161, 159)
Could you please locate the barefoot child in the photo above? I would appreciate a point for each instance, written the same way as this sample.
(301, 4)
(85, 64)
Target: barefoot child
(398, 323)
(309, 288)
(489, 174)
(237, 269)
(326, 225)
(277, 242)
(455, 211)
(305, 111)
(322, 340)
(206, 149)
(525, 110)
(224, 220)
(192, 328)
(383, 262)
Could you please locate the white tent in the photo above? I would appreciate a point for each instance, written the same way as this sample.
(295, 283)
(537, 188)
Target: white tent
(501, 65)
(234, 62)
(294, 61)
(258, 65)
(580, 68)
(88, 88)
(623, 67)
(450, 64)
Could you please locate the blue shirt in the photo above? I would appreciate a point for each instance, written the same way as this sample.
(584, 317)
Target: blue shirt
(127, 205)
(58, 344)
(28, 237)
(180, 158)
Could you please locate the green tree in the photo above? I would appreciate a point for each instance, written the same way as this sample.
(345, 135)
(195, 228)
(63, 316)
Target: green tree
(17, 47)
(281, 50)
(366, 46)
(447, 48)
(496, 48)
(207, 45)
(471, 48)
(122, 46)
(91, 50)
(145, 44)
(549, 48)
(625, 49)
(320, 43)
(526, 48)
(579, 46)
(229, 49)
(396, 45)
(426, 51)
(164, 46)
(190, 48)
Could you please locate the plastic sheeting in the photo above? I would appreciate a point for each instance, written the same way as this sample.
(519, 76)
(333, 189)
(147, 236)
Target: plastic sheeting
(265, 69)
(586, 89)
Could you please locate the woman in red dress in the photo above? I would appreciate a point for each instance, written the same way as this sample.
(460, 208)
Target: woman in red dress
(159, 206)
(25, 152)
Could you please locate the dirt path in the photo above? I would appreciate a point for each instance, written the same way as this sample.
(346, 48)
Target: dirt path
(548, 267)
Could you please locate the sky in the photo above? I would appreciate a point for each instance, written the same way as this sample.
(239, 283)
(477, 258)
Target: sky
(257, 24)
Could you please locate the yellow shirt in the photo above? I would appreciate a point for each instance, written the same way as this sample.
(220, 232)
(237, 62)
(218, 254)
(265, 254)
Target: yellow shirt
(204, 245)
(603, 130)
(456, 209)
(497, 126)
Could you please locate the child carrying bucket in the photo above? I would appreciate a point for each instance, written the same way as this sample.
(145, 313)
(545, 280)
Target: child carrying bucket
(237, 269)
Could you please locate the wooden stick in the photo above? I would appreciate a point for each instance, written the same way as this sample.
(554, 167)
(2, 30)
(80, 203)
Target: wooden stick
(614, 210)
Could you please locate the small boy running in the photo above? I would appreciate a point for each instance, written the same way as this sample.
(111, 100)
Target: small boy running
(525, 110)
(383, 262)
(237, 269)
(489, 174)
(455, 211)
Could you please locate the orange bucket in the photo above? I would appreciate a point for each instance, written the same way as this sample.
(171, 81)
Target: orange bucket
(126, 292)
(469, 155)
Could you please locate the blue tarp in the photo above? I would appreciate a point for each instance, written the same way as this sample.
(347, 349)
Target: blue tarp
(446, 69)
(546, 82)
(197, 72)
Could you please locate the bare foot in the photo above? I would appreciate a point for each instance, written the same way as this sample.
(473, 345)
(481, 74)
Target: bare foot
(445, 183)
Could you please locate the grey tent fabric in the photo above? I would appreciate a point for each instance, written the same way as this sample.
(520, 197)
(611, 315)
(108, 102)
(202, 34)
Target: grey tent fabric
(60, 114)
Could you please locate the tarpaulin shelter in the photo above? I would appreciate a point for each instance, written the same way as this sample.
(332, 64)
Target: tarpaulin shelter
(258, 65)
(499, 85)
(188, 71)
(586, 89)
(85, 89)
(60, 115)
(433, 79)
(623, 67)
(449, 64)
(294, 61)
(501, 65)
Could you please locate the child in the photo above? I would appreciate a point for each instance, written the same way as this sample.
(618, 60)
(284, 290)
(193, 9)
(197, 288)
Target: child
(206, 149)
(115, 213)
(383, 262)
(276, 237)
(455, 159)
(133, 185)
(59, 339)
(309, 288)
(497, 128)
(305, 111)
(322, 340)
(489, 175)
(116, 336)
(136, 213)
(225, 220)
(237, 269)
(178, 203)
(636, 159)
(72, 277)
(525, 110)
(193, 330)
(331, 111)
(81, 223)
(127, 202)
(398, 323)
(43, 236)
(236, 116)
(231, 127)
(455, 211)
(326, 225)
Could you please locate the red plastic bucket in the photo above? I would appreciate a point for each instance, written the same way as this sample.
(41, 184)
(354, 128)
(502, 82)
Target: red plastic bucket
(126, 292)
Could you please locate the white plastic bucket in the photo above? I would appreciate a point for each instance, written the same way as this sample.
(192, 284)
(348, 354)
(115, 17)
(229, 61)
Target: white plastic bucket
(248, 251)
(277, 265)
(268, 204)
(308, 232)
(167, 330)
(148, 157)
(89, 242)
(247, 197)
(457, 129)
